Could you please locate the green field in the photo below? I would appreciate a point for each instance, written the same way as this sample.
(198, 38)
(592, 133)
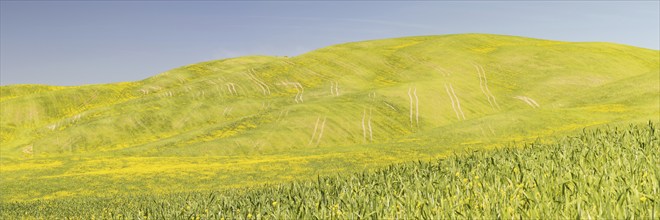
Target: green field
(240, 123)
(610, 173)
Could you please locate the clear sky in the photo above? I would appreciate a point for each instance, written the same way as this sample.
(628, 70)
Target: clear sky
(76, 42)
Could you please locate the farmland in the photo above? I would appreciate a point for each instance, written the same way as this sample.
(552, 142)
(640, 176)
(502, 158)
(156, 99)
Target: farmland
(608, 173)
(250, 127)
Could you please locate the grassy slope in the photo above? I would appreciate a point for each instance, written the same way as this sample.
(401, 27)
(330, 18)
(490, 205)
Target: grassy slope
(567, 179)
(184, 130)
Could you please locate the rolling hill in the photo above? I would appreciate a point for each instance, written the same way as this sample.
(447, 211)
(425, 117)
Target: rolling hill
(252, 120)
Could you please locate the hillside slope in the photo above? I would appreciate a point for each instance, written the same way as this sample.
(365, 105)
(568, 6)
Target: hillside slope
(566, 179)
(251, 120)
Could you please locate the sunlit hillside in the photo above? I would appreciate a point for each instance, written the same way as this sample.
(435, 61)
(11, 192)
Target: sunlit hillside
(253, 120)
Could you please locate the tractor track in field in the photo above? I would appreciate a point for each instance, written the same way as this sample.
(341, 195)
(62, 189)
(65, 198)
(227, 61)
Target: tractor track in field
(455, 103)
(529, 101)
(364, 128)
(253, 76)
(411, 107)
(298, 98)
(334, 88)
(316, 126)
(483, 84)
(231, 87)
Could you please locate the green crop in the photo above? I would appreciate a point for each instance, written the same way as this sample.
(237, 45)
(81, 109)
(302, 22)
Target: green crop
(609, 173)
(316, 135)
(257, 120)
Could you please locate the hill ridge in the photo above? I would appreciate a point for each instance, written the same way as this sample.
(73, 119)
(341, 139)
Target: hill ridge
(332, 108)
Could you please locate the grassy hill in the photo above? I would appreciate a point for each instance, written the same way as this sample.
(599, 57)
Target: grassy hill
(567, 179)
(252, 120)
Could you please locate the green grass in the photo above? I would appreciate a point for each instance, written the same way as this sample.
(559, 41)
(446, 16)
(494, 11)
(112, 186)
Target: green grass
(609, 173)
(183, 130)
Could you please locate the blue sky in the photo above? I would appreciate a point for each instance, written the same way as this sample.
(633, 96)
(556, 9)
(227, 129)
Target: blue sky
(75, 42)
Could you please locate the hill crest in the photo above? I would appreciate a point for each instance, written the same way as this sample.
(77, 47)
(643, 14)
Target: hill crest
(329, 109)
